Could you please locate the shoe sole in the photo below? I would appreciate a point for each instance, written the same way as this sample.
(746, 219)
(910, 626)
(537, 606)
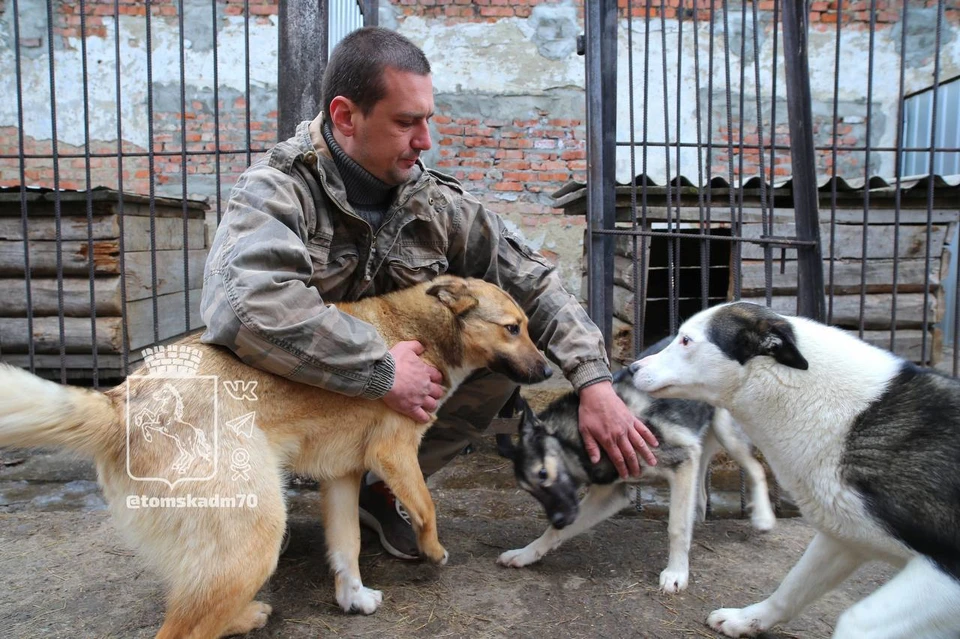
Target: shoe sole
(373, 523)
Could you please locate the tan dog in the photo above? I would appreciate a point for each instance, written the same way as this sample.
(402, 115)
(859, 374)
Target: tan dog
(213, 560)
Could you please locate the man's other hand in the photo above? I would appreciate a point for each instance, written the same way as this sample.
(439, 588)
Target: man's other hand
(605, 421)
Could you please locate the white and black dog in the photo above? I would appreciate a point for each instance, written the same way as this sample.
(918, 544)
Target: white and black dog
(866, 443)
(550, 462)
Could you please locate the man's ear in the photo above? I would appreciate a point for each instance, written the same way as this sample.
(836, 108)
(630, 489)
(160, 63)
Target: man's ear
(341, 115)
(780, 346)
(455, 295)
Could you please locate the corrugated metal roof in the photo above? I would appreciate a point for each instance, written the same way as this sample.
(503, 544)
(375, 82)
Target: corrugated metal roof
(910, 186)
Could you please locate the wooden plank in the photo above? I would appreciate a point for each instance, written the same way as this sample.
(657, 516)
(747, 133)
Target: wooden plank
(623, 268)
(46, 335)
(136, 231)
(848, 241)
(847, 275)
(171, 318)
(74, 255)
(70, 361)
(71, 228)
(43, 263)
(76, 297)
(621, 348)
(139, 272)
(876, 313)
(77, 332)
(168, 234)
(104, 201)
(80, 373)
(908, 344)
(163, 207)
(107, 363)
(623, 304)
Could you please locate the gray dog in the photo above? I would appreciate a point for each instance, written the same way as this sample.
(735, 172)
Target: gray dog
(550, 463)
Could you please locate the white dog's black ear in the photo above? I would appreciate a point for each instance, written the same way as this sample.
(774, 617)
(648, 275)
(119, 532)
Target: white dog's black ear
(779, 345)
(743, 330)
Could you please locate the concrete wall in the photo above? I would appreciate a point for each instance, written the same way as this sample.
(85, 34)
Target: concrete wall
(509, 93)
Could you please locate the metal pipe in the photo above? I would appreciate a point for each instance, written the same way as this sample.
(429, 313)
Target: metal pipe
(601, 80)
(810, 297)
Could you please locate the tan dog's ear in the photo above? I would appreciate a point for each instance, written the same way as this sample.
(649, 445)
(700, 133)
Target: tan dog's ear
(455, 295)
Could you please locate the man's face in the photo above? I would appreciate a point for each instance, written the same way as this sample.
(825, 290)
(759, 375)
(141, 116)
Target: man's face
(388, 140)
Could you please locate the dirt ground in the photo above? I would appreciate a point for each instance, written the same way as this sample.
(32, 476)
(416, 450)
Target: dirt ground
(64, 571)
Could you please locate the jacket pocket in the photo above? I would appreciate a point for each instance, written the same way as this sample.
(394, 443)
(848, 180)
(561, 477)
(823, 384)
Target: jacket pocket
(334, 268)
(413, 265)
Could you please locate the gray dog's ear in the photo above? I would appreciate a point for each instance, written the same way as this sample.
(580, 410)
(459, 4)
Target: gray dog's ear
(455, 295)
(779, 345)
(531, 426)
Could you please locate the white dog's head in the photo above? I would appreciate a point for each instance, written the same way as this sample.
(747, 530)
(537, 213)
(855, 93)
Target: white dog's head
(714, 350)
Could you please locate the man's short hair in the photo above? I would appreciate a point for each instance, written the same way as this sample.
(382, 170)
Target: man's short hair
(356, 66)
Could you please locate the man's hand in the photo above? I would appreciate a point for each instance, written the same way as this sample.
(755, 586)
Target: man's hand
(606, 421)
(416, 384)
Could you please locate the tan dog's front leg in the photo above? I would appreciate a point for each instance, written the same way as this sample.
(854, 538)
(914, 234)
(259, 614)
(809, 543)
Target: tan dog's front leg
(341, 523)
(399, 468)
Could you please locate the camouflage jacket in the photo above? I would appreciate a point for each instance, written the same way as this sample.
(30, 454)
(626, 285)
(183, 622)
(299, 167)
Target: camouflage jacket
(289, 246)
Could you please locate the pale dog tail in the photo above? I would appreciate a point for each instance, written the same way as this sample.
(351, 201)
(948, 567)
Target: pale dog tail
(37, 412)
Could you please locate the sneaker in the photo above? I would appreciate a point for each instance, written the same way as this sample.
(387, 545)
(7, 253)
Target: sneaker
(382, 512)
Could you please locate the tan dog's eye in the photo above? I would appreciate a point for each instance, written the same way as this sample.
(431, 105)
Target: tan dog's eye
(513, 329)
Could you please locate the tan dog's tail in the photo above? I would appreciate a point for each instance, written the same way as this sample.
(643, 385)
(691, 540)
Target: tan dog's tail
(37, 412)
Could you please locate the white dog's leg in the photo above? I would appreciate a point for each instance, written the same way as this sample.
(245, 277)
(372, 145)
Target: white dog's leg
(683, 496)
(341, 523)
(824, 564)
(921, 602)
(601, 501)
(762, 516)
(709, 447)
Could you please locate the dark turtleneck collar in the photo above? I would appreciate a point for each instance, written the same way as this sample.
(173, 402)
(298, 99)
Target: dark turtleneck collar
(365, 191)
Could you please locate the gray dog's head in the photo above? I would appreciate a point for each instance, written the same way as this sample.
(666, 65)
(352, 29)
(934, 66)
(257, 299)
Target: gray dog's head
(540, 466)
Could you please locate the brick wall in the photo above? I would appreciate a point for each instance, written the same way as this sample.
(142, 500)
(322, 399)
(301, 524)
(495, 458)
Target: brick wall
(67, 15)
(515, 163)
(822, 12)
(849, 132)
(200, 137)
(856, 13)
(521, 162)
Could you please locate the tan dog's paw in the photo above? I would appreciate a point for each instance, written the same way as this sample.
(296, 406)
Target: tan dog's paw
(436, 553)
(253, 617)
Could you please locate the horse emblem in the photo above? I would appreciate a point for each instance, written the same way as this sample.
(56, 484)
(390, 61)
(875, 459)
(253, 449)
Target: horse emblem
(172, 422)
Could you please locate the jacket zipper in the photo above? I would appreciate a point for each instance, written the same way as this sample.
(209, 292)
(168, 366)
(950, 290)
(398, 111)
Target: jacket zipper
(368, 274)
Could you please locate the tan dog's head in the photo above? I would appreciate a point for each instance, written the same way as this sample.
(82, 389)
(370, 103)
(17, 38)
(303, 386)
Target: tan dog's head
(493, 329)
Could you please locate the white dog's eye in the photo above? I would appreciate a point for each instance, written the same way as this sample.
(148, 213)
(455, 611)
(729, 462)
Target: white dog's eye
(684, 340)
